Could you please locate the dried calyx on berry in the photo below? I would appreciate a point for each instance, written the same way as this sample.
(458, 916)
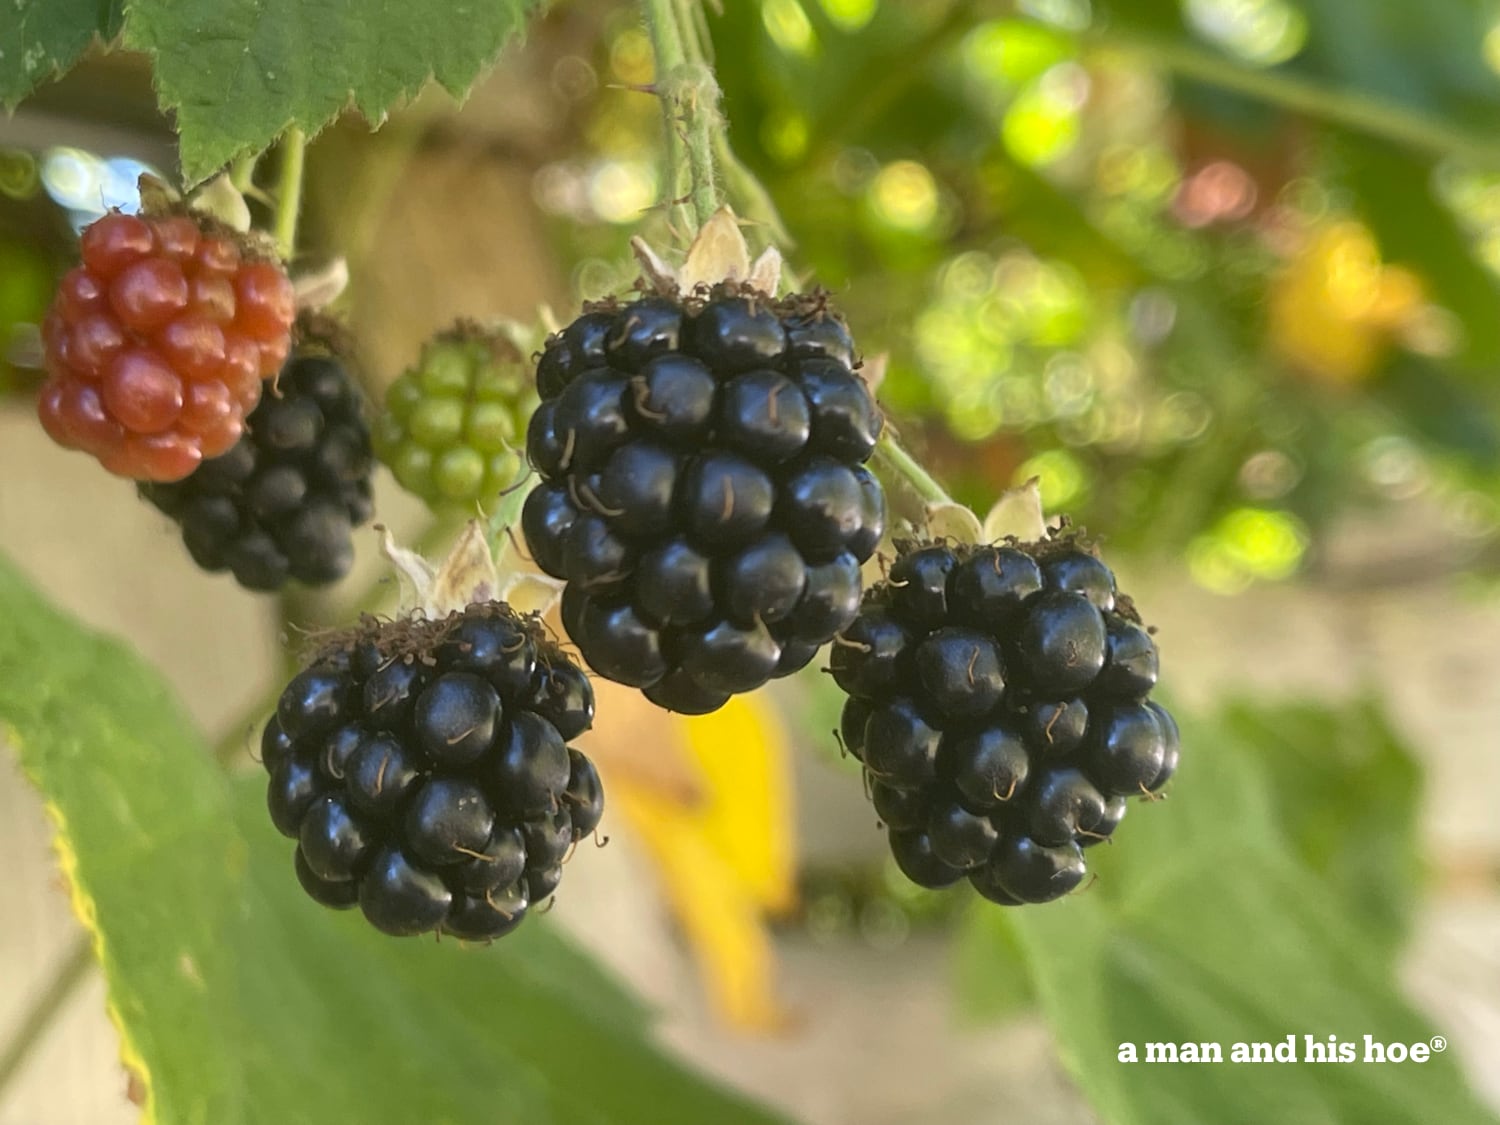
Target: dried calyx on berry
(284, 502)
(703, 493)
(453, 424)
(157, 343)
(423, 767)
(999, 705)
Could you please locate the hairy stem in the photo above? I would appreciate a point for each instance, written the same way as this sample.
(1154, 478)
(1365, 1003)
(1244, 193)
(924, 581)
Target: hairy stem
(33, 1027)
(690, 107)
(893, 463)
(289, 191)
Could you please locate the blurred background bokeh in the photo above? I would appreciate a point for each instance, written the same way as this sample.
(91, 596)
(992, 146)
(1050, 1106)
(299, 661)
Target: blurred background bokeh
(1223, 274)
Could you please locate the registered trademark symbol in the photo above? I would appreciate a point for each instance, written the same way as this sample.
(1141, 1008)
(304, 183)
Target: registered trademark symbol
(1439, 1043)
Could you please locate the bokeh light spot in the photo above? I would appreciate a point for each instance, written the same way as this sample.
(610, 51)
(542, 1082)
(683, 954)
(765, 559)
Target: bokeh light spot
(1264, 32)
(905, 196)
(849, 15)
(789, 28)
(1063, 477)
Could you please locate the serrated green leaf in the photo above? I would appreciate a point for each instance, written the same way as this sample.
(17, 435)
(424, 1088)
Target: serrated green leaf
(240, 1000)
(141, 813)
(1204, 928)
(43, 38)
(238, 72)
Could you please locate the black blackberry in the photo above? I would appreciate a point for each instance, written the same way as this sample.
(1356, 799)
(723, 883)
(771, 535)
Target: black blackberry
(423, 769)
(284, 501)
(997, 698)
(703, 490)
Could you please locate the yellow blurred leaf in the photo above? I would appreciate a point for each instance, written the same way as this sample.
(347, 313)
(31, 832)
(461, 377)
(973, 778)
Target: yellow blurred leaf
(641, 746)
(711, 799)
(718, 914)
(742, 756)
(1335, 309)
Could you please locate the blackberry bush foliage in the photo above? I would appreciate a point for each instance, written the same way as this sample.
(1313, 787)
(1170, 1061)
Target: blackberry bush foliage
(423, 768)
(999, 704)
(703, 490)
(453, 423)
(158, 341)
(283, 503)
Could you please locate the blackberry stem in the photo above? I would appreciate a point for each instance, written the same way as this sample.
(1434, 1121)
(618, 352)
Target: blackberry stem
(893, 462)
(33, 1026)
(690, 99)
(507, 515)
(289, 190)
(242, 172)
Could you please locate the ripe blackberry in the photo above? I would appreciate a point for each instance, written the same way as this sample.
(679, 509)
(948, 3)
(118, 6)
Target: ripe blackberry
(997, 700)
(283, 503)
(422, 766)
(703, 490)
(452, 424)
(158, 342)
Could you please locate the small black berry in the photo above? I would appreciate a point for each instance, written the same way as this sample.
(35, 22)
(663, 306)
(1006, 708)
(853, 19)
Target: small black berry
(997, 698)
(456, 719)
(426, 774)
(703, 494)
(447, 820)
(283, 502)
(900, 745)
(1060, 643)
(912, 849)
(336, 894)
(332, 840)
(401, 898)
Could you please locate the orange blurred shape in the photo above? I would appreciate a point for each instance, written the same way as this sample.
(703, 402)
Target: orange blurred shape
(1216, 193)
(710, 799)
(1335, 309)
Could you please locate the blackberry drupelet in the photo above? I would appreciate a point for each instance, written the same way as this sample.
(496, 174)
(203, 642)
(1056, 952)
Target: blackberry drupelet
(703, 490)
(998, 703)
(423, 769)
(283, 503)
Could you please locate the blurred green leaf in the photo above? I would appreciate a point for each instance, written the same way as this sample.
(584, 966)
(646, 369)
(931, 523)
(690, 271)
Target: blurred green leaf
(242, 1000)
(1205, 927)
(238, 72)
(991, 980)
(156, 863)
(1442, 411)
(42, 38)
(1345, 788)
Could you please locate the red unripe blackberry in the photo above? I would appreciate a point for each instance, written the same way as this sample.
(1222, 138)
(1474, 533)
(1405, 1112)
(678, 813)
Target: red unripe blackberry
(158, 341)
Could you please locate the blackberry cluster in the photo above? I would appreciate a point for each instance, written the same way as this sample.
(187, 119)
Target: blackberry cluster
(452, 423)
(703, 489)
(423, 769)
(999, 705)
(157, 342)
(283, 503)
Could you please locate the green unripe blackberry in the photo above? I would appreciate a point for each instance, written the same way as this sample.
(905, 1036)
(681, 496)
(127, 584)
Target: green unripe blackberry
(453, 424)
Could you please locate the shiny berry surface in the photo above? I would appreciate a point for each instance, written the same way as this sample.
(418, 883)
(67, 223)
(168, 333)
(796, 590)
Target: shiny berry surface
(703, 490)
